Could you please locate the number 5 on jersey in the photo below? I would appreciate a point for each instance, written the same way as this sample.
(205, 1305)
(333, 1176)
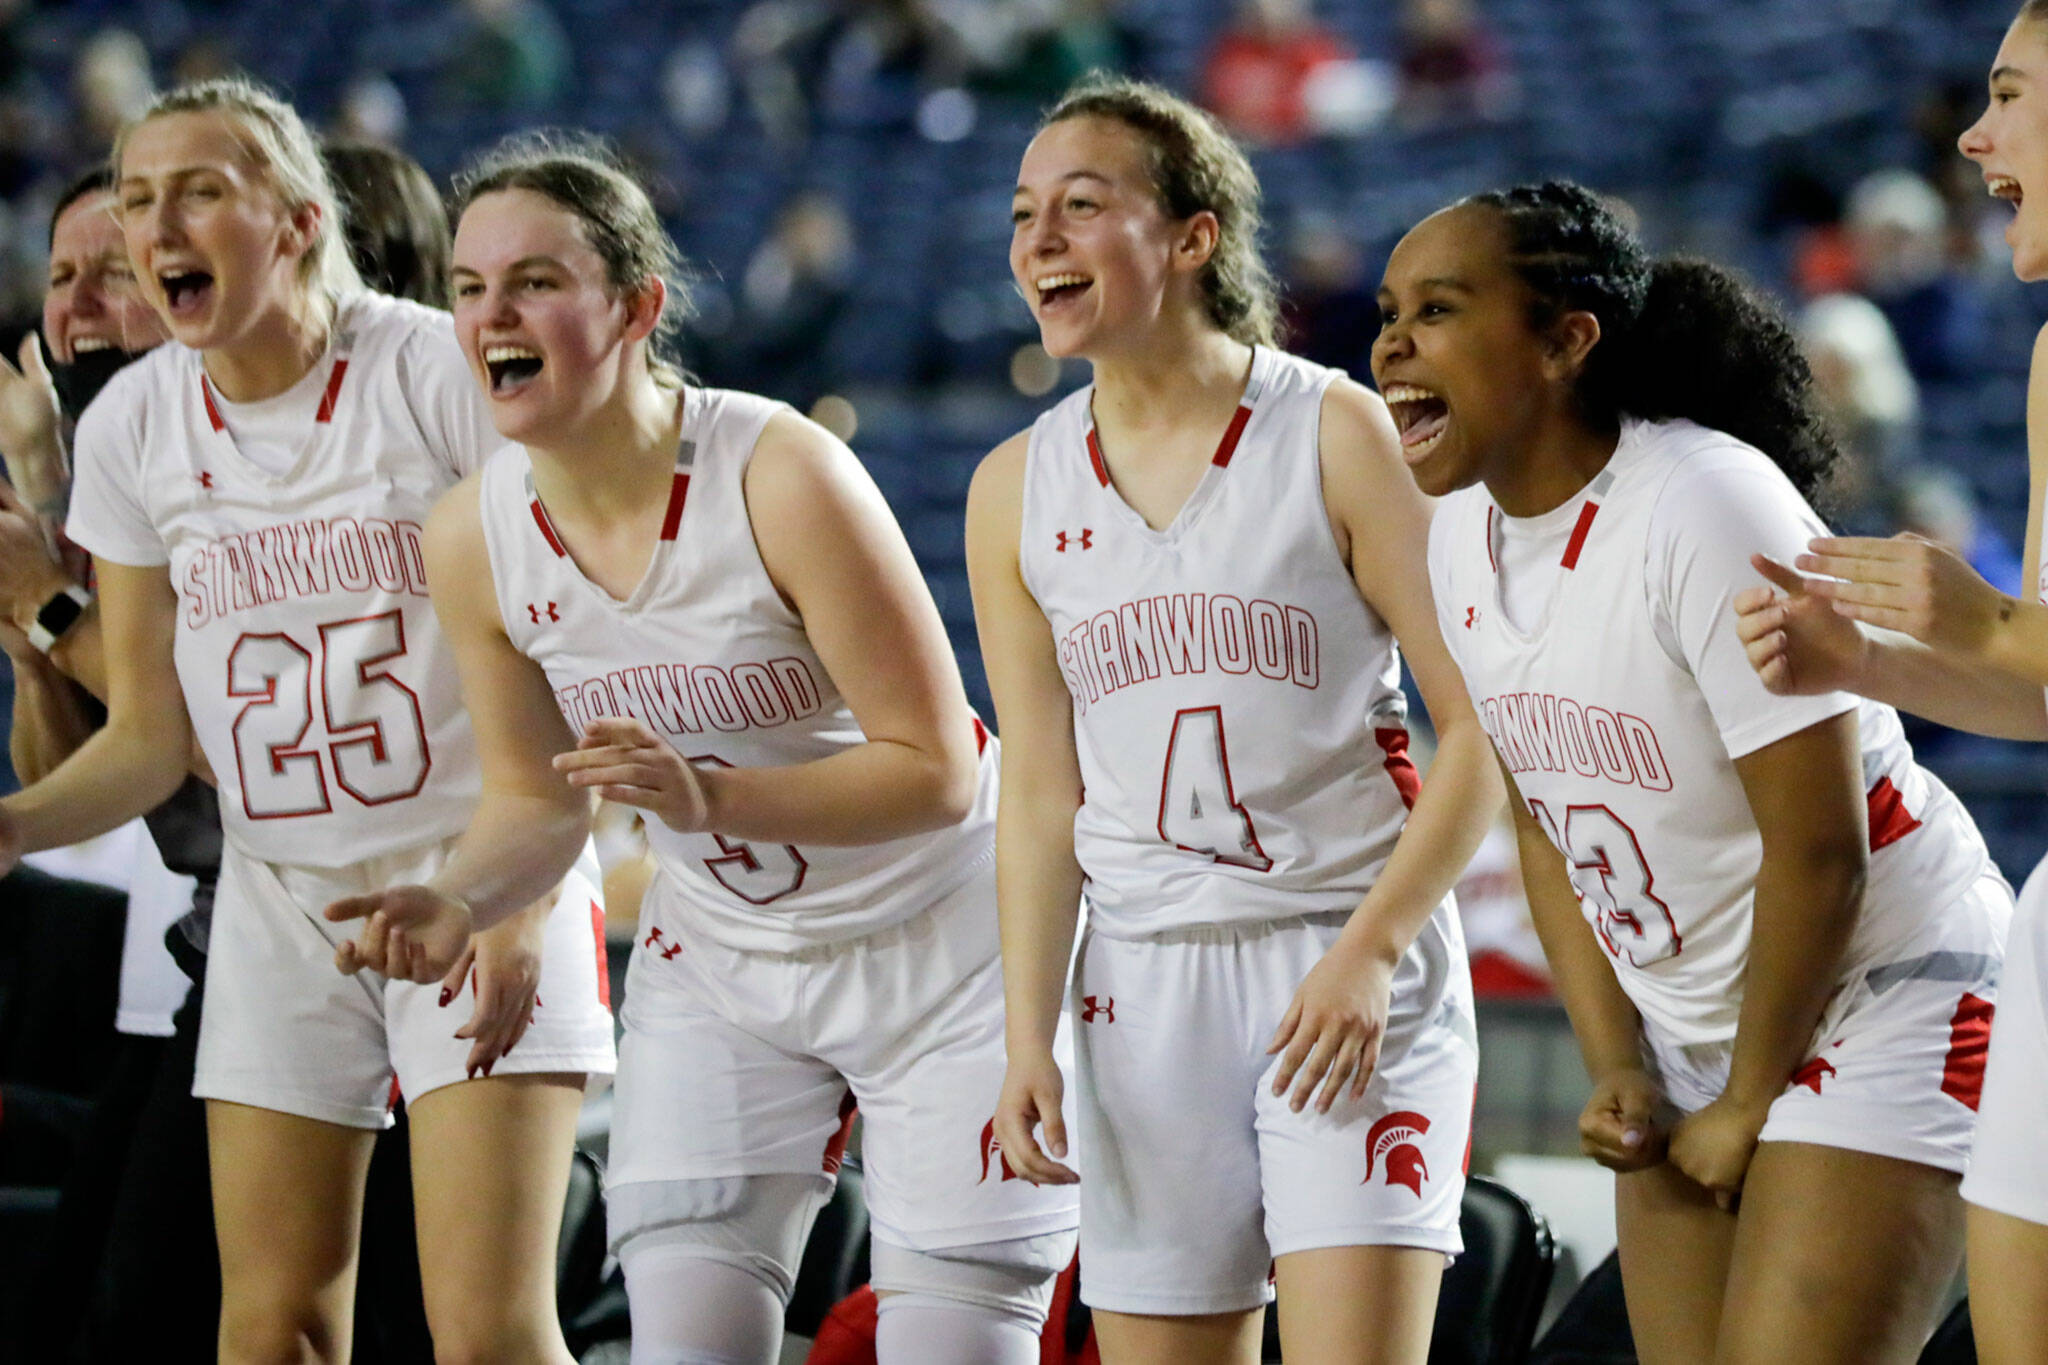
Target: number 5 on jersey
(1198, 809)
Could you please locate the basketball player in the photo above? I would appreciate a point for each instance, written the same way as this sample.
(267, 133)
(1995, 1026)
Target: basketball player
(1973, 658)
(1783, 961)
(1190, 578)
(697, 604)
(252, 497)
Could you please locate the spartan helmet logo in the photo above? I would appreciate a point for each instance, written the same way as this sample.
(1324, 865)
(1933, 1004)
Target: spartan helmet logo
(991, 1148)
(1390, 1144)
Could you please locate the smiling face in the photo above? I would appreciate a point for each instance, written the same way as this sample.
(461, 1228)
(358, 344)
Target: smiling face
(214, 247)
(1464, 373)
(2010, 142)
(93, 303)
(545, 333)
(1091, 248)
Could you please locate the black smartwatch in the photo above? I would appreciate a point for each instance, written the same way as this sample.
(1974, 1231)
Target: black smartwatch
(58, 615)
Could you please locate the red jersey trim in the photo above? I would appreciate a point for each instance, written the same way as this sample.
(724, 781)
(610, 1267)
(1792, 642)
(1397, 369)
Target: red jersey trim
(1228, 446)
(547, 529)
(212, 413)
(1890, 821)
(678, 494)
(1095, 459)
(332, 392)
(1578, 540)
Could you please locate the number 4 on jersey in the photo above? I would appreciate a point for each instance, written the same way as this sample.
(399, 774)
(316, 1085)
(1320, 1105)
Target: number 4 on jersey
(1198, 808)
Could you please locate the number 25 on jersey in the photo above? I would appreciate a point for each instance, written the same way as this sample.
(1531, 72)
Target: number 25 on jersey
(376, 742)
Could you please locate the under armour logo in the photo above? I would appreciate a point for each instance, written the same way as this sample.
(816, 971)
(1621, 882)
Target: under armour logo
(534, 611)
(1471, 615)
(1098, 1006)
(1391, 1143)
(1811, 1074)
(1086, 540)
(992, 1148)
(205, 478)
(655, 941)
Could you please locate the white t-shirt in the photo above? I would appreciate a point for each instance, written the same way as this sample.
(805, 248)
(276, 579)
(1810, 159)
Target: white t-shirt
(1622, 707)
(311, 663)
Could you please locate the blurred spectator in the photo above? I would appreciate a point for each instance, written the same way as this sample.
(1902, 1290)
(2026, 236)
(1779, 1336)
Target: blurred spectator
(1328, 305)
(509, 55)
(797, 57)
(372, 110)
(396, 225)
(112, 84)
(1052, 46)
(1873, 403)
(695, 88)
(1898, 226)
(1278, 76)
(1451, 67)
(794, 293)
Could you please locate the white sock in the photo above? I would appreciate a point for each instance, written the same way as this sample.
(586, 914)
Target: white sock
(688, 1309)
(924, 1329)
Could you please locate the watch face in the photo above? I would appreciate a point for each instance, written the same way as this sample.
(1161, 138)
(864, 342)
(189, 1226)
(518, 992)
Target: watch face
(59, 613)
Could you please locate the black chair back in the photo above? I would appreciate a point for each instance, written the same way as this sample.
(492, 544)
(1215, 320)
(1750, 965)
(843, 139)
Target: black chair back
(1493, 1294)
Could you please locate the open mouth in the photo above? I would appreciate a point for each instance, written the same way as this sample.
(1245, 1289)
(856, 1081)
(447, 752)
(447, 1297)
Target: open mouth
(2006, 188)
(1421, 417)
(1056, 290)
(186, 290)
(87, 345)
(510, 368)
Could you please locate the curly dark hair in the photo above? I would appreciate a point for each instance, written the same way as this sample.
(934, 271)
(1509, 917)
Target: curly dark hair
(1195, 166)
(1679, 336)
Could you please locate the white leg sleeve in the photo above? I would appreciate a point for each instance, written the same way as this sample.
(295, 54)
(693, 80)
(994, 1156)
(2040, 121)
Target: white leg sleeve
(1011, 1279)
(923, 1329)
(691, 1310)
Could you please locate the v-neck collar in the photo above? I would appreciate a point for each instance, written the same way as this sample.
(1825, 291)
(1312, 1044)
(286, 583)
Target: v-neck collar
(671, 524)
(1589, 501)
(341, 342)
(1205, 489)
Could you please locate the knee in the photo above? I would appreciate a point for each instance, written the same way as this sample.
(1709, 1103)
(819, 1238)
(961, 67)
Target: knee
(278, 1334)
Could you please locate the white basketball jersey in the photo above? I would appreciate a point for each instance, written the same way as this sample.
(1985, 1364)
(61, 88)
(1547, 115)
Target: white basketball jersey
(312, 665)
(707, 653)
(1237, 707)
(1627, 760)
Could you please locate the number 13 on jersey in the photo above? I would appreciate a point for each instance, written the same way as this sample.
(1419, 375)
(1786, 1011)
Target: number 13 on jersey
(1198, 807)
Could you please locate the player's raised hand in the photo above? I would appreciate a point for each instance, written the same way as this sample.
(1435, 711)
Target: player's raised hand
(1618, 1126)
(1798, 643)
(1715, 1144)
(1333, 1028)
(1906, 583)
(29, 418)
(1032, 1091)
(622, 760)
(506, 961)
(410, 933)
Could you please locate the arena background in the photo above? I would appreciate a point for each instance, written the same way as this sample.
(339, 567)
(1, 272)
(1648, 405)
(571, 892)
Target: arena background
(838, 172)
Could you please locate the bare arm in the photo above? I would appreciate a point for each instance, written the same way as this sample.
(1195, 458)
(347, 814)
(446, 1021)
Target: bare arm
(1386, 520)
(835, 552)
(138, 758)
(1038, 878)
(50, 716)
(1332, 1029)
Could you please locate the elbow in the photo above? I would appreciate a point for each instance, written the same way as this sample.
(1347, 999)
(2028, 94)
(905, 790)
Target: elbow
(1832, 870)
(955, 787)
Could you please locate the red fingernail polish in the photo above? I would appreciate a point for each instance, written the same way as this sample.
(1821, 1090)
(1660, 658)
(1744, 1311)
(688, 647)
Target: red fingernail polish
(446, 996)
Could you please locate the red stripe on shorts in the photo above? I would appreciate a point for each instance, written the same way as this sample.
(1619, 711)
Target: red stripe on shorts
(1969, 1044)
(604, 969)
(1890, 821)
(1393, 741)
(835, 1146)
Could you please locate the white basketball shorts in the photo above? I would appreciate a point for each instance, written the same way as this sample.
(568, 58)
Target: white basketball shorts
(742, 1063)
(1899, 1064)
(2008, 1168)
(1197, 1175)
(283, 1030)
